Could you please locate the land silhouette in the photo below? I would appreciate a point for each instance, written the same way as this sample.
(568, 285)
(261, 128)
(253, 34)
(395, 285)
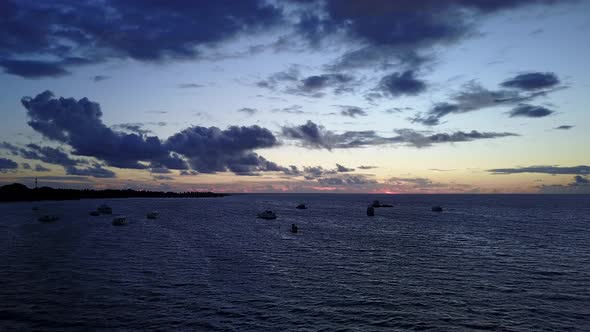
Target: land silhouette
(19, 192)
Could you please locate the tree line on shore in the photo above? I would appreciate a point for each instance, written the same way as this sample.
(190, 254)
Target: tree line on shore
(19, 192)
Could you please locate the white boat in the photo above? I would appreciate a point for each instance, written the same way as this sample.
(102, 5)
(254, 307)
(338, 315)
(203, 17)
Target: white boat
(48, 218)
(268, 214)
(104, 209)
(152, 215)
(120, 221)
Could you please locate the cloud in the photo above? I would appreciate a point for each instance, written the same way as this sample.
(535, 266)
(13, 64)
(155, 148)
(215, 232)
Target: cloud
(40, 168)
(291, 74)
(152, 31)
(398, 84)
(414, 182)
(352, 111)
(187, 173)
(78, 123)
(25, 166)
(376, 34)
(314, 136)
(7, 165)
(100, 78)
(33, 69)
(395, 33)
(316, 85)
(294, 109)
(248, 110)
(48, 154)
(474, 97)
(532, 81)
(367, 167)
(530, 111)
(211, 150)
(580, 185)
(343, 169)
(190, 86)
(133, 127)
(554, 170)
(163, 177)
(96, 171)
(346, 180)
(564, 127)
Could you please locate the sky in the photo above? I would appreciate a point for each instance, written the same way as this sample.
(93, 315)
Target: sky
(342, 96)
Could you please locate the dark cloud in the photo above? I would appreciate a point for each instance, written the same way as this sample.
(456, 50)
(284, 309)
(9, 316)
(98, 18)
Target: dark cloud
(40, 168)
(291, 74)
(346, 180)
(414, 182)
(136, 29)
(248, 110)
(580, 181)
(564, 127)
(97, 171)
(186, 173)
(163, 178)
(352, 111)
(398, 84)
(580, 185)
(343, 169)
(78, 123)
(314, 136)
(394, 33)
(384, 33)
(7, 165)
(190, 85)
(532, 81)
(316, 85)
(211, 150)
(474, 97)
(133, 127)
(366, 167)
(295, 109)
(33, 69)
(530, 111)
(48, 154)
(99, 78)
(554, 170)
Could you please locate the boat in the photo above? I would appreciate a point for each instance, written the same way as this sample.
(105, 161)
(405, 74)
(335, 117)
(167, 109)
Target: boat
(301, 206)
(104, 209)
(386, 205)
(268, 214)
(152, 215)
(48, 218)
(294, 228)
(370, 211)
(376, 204)
(120, 221)
(36, 208)
(437, 208)
(94, 213)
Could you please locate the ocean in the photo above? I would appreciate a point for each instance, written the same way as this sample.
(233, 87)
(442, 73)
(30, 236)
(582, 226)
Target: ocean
(488, 262)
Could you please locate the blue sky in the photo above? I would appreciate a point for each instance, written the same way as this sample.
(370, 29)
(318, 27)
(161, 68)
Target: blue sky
(297, 96)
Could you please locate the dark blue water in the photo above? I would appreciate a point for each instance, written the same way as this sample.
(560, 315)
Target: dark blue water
(489, 262)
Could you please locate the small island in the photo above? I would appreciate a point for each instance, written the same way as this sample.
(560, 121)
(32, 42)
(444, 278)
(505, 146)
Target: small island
(19, 192)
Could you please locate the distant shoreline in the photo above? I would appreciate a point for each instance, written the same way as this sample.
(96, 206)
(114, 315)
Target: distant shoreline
(17, 192)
